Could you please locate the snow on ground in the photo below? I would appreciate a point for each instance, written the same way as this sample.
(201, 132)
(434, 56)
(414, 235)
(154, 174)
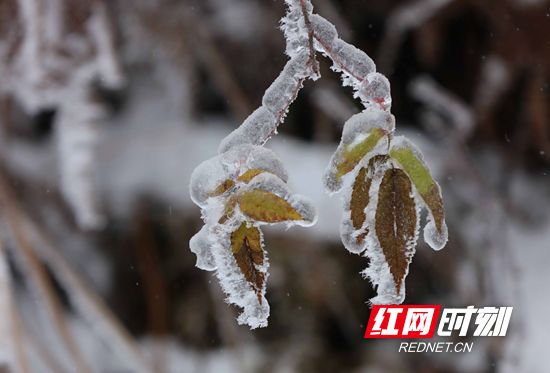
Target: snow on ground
(527, 345)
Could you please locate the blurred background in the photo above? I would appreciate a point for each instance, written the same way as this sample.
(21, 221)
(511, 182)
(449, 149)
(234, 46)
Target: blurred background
(106, 107)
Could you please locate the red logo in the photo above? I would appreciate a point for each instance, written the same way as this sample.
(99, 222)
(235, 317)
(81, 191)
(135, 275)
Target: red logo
(402, 321)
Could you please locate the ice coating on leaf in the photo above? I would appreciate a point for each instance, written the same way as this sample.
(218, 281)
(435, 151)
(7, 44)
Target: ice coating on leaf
(366, 120)
(254, 130)
(206, 177)
(432, 236)
(355, 226)
(223, 170)
(355, 143)
(234, 284)
(303, 206)
(349, 234)
(375, 89)
(412, 161)
(201, 247)
(265, 159)
(246, 245)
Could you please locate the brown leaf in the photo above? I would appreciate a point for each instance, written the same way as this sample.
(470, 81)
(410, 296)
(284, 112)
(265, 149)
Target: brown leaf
(263, 206)
(433, 200)
(360, 200)
(360, 195)
(395, 222)
(229, 210)
(247, 249)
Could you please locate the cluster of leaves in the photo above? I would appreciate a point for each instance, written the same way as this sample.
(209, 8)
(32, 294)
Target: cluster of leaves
(239, 191)
(390, 185)
(244, 187)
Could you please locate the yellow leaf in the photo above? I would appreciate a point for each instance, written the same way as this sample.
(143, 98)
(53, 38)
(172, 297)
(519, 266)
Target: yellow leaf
(247, 249)
(395, 222)
(263, 206)
(222, 188)
(249, 175)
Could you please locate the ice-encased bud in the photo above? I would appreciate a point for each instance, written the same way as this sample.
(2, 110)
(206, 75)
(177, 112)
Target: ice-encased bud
(206, 177)
(432, 236)
(376, 88)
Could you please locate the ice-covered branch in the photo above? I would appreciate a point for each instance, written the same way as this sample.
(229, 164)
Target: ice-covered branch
(244, 187)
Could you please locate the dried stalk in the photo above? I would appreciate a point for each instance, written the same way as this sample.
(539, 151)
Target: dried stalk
(40, 279)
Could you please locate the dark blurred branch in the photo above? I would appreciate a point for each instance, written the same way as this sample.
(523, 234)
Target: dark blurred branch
(204, 44)
(154, 283)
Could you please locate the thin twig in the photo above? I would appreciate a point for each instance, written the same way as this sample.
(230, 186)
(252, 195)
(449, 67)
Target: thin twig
(218, 68)
(335, 59)
(154, 287)
(312, 59)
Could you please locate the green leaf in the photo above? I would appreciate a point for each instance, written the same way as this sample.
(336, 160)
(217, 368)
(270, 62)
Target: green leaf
(423, 182)
(353, 154)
